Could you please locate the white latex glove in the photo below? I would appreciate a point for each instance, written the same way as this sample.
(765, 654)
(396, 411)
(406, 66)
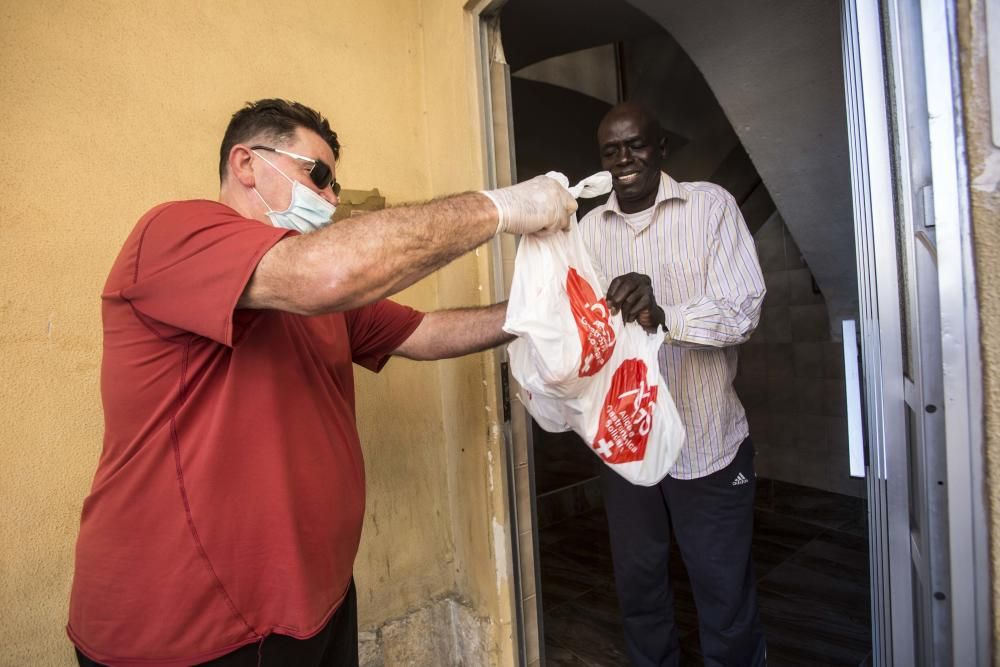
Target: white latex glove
(541, 205)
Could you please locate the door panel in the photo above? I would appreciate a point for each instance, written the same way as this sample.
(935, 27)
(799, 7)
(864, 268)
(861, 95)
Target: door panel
(894, 451)
(901, 331)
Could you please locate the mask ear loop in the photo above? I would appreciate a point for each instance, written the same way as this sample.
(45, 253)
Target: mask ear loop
(268, 162)
(269, 209)
(271, 165)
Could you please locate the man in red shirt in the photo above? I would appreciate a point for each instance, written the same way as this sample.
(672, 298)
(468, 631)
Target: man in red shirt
(226, 510)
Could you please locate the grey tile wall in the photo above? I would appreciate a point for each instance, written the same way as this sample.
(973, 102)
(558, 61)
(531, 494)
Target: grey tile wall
(791, 375)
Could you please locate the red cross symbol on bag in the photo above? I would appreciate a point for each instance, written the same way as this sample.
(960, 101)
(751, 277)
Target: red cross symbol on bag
(627, 415)
(597, 338)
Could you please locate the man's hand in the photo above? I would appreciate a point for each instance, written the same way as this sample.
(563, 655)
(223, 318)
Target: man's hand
(538, 205)
(632, 294)
(452, 333)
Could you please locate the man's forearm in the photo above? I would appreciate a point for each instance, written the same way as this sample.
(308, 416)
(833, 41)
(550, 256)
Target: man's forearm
(453, 333)
(361, 260)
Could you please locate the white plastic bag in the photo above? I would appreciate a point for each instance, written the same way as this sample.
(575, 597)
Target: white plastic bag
(581, 368)
(548, 269)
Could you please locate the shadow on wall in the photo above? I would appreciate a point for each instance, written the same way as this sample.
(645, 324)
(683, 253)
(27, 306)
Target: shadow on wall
(555, 128)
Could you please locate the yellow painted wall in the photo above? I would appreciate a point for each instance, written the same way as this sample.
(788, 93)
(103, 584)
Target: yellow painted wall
(984, 174)
(111, 107)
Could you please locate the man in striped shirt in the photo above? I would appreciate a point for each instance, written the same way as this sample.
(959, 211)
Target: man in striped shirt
(684, 260)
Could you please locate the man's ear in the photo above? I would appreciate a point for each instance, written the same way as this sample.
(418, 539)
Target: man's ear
(663, 145)
(240, 160)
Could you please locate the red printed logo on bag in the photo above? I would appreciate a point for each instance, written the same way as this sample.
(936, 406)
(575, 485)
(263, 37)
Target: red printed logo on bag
(597, 338)
(627, 415)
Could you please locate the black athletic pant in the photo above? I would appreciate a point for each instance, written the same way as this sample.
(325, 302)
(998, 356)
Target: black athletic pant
(336, 645)
(712, 520)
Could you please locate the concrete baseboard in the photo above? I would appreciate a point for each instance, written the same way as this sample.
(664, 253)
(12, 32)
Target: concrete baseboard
(445, 632)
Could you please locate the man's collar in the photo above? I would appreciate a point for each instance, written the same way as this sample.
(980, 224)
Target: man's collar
(669, 189)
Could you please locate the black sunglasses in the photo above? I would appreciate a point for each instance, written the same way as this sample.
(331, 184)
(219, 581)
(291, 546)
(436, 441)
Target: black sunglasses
(320, 174)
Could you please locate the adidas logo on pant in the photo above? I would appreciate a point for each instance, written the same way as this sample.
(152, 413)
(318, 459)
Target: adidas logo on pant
(740, 479)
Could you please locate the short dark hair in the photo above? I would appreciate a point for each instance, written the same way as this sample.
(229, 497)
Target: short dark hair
(273, 120)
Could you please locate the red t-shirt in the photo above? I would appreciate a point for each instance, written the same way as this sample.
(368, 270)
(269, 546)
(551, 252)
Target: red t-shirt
(229, 496)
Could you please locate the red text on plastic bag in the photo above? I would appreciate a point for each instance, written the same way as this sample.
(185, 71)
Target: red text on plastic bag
(597, 338)
(627, 415)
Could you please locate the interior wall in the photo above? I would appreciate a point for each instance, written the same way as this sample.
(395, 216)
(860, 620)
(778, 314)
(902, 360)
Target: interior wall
(701, 142)
(791, 375)
(776, 70)
(984, 173)
(555, 129)
(593, 72)
(660, 74)
(112, 107)
(559, 102)
(555, 27)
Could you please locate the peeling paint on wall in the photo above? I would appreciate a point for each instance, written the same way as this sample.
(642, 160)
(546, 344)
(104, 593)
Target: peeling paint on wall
(987, 179)
(489, 470)
(500, 554)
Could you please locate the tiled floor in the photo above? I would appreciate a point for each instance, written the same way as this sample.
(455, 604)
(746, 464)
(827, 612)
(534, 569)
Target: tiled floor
(811, 556)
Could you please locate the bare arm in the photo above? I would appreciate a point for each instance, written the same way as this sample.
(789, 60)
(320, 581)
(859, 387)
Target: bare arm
(359, 261)
(452, 333)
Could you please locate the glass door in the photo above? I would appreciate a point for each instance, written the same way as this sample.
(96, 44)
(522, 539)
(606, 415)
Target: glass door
(880, 325)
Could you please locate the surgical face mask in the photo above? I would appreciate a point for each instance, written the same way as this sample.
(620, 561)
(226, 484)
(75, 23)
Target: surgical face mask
(307, 212)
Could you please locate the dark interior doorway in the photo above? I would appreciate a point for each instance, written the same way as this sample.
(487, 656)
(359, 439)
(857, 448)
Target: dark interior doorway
(810, 540)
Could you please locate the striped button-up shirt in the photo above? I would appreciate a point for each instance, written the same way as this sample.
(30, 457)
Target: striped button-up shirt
(696, 248)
